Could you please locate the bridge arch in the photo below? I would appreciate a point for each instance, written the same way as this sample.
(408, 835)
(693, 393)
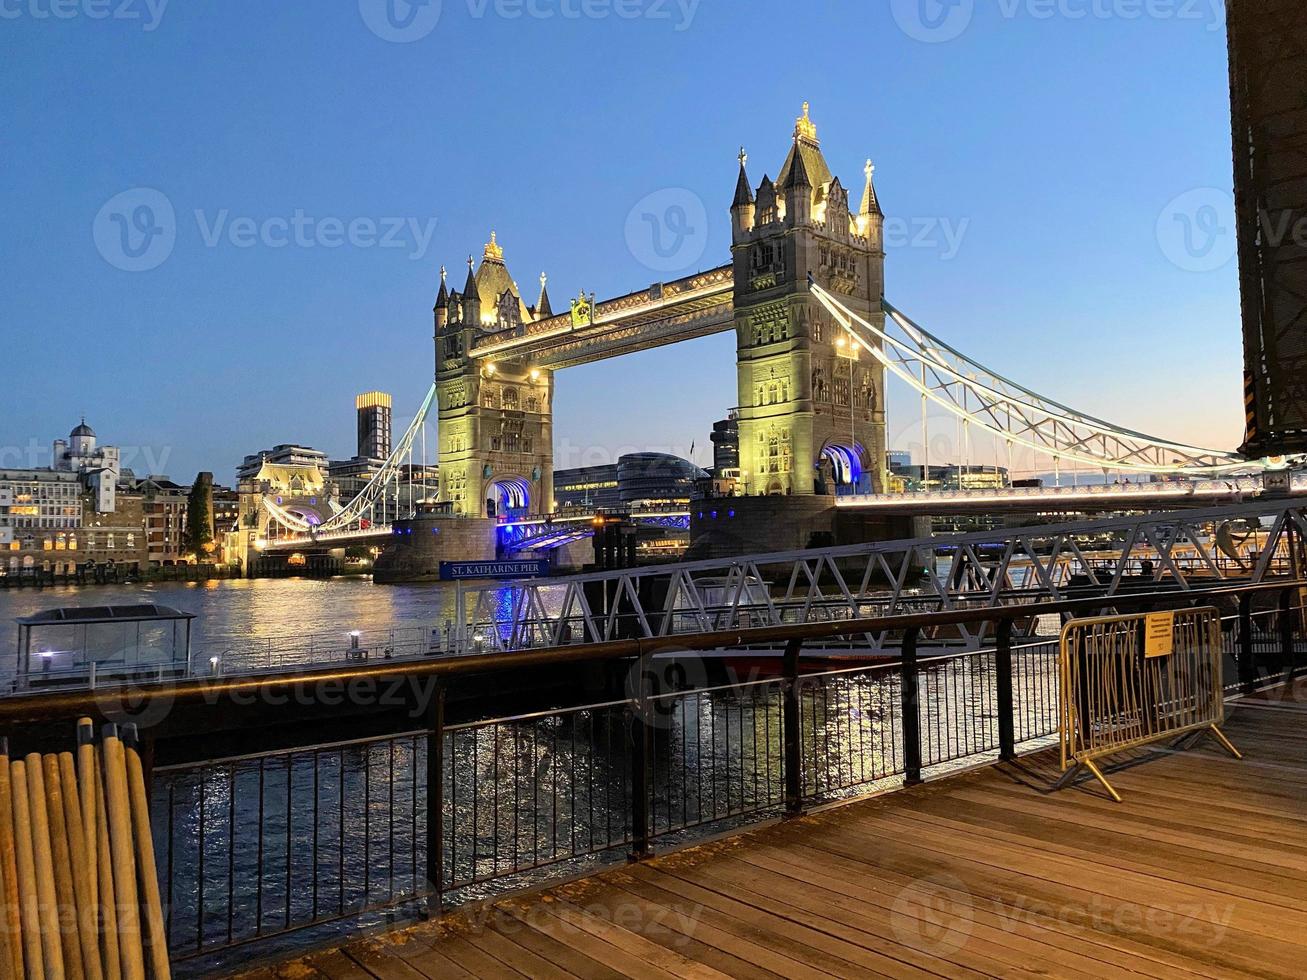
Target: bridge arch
(509, 496)
(847, 461)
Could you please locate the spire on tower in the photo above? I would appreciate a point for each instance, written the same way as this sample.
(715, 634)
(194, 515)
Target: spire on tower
(442, 298)
(870, 203)
(798, 175)
(743, 192)
(543, 309)
(493, 252)
(470, 287)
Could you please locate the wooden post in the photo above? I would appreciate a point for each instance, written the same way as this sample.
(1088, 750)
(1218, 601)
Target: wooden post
(47, 900)
(25, 858)
(122, 853)
(104, 874)
(145, 862)
(791, 729)
(910, 703)
(82, 862)
(65, 912)
(86, 795)
(12, 924)
(1007, 742)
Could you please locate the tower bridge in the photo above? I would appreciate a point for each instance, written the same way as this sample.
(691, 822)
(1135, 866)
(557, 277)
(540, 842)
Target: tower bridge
(816, 341)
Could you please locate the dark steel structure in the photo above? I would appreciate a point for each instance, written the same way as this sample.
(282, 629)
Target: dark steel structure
(1268, 82)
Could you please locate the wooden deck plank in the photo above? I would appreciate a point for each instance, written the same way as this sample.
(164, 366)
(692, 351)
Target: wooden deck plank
(832, 892)
(1201, 871)
(819, 945)
(1248, 932)
(863, 924)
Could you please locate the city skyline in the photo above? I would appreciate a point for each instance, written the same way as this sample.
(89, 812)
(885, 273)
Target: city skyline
(272, 340)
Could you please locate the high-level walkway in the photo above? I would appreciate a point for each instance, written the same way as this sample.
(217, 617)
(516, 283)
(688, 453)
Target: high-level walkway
(1202, 871)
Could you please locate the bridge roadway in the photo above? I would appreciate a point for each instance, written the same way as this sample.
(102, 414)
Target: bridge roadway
(1091, 498)
(1088, 499)
(1200, 872)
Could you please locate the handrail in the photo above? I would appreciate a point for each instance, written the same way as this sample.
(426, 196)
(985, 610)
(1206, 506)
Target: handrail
(58, 705)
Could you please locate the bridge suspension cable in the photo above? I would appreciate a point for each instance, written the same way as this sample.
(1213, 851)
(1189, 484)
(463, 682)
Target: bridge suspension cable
(377, 503)
(1013, 412)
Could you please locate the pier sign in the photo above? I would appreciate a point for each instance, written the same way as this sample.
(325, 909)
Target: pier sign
(451, 571)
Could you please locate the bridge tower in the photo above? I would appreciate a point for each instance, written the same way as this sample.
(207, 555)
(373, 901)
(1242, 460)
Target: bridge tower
(495, 418)
(811, 404)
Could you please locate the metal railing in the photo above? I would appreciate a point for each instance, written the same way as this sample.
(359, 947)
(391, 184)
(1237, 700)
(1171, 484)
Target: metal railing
(258, 847)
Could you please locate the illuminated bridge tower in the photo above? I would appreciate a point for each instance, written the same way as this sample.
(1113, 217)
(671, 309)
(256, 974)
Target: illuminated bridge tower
(496, 418)
(811, 410)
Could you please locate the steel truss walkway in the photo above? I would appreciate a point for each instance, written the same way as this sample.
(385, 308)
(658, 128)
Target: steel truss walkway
(1185, 549)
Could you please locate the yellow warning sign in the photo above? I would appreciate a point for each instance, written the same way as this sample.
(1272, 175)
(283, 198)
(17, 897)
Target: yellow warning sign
(1159, 634)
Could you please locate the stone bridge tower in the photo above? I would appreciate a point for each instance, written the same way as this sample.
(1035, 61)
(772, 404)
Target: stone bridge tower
(811, 404)
(496, 417)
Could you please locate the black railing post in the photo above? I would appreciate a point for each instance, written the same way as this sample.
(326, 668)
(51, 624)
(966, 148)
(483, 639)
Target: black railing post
(436, 795)
(1007, 728)
(1288, 660)
(1247, 663)
(791, 723)
(641, 744)
(911, 705)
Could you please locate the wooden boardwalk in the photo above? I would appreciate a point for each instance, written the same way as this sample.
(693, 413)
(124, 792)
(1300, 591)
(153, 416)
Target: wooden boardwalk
(1202, 871)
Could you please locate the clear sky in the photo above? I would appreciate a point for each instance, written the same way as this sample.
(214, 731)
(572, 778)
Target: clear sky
(1058, 172)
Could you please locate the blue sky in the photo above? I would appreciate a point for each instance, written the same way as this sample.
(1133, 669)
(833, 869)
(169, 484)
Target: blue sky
(1044, 160)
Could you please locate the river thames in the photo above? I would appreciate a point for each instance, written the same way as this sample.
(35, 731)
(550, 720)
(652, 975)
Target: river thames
(241, 619)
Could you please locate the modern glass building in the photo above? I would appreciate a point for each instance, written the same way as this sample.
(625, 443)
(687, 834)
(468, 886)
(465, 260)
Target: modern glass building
(636, 481)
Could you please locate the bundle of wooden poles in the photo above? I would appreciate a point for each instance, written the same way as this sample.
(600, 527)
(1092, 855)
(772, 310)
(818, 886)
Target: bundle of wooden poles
(80, 892)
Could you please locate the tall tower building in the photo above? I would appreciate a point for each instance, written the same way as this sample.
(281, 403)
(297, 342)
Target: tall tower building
(496, 415)
(374, 415)
(811, 403)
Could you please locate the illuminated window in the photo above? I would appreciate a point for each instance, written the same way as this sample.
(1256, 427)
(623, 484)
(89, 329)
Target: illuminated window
(109, 541)
(47, 544)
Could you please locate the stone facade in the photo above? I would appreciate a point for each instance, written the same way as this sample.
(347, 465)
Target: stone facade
(731, 526)
(418, 546)
(496, 418)
(806, 393)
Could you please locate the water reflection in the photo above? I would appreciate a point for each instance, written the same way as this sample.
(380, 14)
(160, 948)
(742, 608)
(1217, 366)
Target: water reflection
(240, 620)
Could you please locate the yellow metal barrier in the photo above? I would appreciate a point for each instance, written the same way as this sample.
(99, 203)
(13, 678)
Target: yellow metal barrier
(1129, 681)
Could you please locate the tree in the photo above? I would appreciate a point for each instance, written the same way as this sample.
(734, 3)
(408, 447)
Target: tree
(199, 515)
